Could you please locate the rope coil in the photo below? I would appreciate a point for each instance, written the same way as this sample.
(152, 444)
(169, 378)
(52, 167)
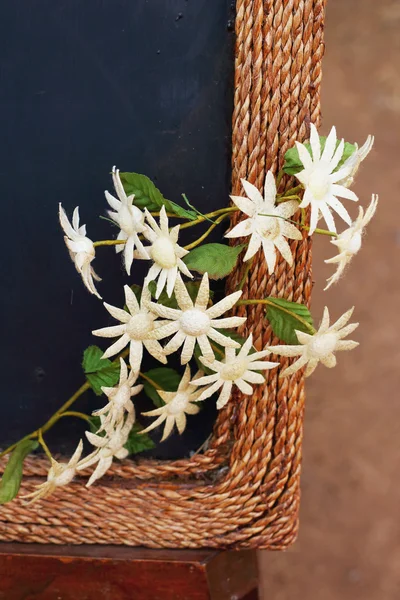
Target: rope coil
(243, 492)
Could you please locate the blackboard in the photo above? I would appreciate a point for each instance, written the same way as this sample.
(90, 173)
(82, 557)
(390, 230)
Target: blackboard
(146, 85)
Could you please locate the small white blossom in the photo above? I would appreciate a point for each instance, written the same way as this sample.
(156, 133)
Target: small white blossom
(266, 231)
(81, 249)
(107, 447)
(59, 474)
(137, 328)
(349, 241)
(165, 252)
(119, 399)
(177, 405)
(320, 346)
(195, 322)
(321, 181)
(129, 218)
(354, 161)
(233, 370)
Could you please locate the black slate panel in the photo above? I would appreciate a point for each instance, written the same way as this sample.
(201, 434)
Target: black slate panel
(143, 84)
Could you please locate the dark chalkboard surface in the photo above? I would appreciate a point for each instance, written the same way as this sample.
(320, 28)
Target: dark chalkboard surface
(143, 84)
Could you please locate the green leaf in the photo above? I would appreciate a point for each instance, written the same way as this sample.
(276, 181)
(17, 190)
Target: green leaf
(12, 476)
(287, 316)
(165, 378)
(217, 259)
(136, 442)
(294, 165)
(99, 371)
(149, 196)
(191, 286)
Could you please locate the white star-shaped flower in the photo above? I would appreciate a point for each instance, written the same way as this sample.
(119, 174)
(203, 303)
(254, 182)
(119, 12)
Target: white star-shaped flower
(60, 474)
(81, 249)
(165, 252)
(177, 405)
(320, 346)
(119, 399)
(195, 322)
(107, 447)
(266, 231)
(233, 370)
(129, 218)
(349, 241)
(320, 180)
(137, 328)
(354, 161)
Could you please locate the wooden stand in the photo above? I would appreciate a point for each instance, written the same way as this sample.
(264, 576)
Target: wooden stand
(49, 572)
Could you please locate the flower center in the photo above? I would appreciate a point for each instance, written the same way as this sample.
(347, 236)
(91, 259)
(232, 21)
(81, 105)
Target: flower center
(140, 326)
(85, 245)
(122, 395)
(130, 220)
(178, 404)
(322, 345)
(268, 227)
(234, 370)
(319, 184)
(354, 243)
(63, 478)
(195, 322)
(163, 253)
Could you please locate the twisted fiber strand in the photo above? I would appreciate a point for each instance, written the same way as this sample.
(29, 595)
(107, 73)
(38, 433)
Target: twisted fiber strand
(265, 90)
(255, 503)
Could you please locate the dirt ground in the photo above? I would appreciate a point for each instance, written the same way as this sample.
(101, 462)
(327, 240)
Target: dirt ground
(349, 542)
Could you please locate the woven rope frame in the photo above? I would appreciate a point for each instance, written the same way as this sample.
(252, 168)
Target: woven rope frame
(243, 491)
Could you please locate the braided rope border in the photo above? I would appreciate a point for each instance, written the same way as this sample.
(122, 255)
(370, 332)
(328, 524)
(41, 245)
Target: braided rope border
(244, 490)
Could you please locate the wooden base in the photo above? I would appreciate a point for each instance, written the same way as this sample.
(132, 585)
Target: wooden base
(49, 572)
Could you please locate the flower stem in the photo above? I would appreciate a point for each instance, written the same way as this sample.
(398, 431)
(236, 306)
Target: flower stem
(74, 413)
(320, 231)
(306, 227)
(44, 445)
(207, 233)
(286, 198)
(215, 213)
(108, 243)
(268, 302)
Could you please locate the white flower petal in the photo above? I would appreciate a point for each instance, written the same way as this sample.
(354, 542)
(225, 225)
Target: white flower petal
(242, 229)
(315, 143)
(225, 394)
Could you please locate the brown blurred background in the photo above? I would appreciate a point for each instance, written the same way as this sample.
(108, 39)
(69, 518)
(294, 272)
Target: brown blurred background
(349, 542)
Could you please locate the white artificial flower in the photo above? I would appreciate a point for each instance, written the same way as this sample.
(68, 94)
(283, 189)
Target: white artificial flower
(320, 346)
(349, 241)
(81, 249)
(233, 370)
(119, 399)
(129, 218)
(165, 252)
(59, 474)
(195, 322)
(177, 405)
(137, 328)
(320, 180)
(354, 161)
(266, 231)
(107, 447)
